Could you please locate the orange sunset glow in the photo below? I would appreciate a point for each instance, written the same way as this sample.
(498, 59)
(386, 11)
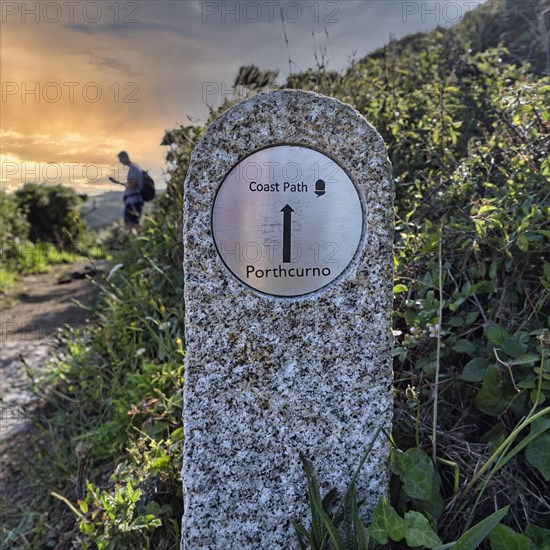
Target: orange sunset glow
(83, 80)
(71, 99)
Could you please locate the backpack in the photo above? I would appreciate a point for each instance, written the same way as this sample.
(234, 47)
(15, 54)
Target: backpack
(148, 187)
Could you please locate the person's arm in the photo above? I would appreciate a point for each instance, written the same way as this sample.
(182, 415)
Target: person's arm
(131, 183)
(116, 181)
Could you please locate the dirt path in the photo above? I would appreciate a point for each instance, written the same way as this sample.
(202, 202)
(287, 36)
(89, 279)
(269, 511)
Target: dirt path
(29, 318)
(27, 331)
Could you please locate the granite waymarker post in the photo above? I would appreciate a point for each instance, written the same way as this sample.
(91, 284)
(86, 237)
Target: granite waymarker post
(288, 238)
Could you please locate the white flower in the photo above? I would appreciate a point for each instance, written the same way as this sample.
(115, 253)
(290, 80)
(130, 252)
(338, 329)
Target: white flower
(435, 330)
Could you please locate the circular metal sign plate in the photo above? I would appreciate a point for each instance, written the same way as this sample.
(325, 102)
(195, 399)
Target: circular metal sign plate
(287, 220)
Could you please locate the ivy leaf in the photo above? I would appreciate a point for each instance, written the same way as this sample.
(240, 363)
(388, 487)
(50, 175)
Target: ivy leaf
(386, 523)
(420, 479)
(397, 461)
(419, 532)
(538, 456)
(503, 537)
(433, 507)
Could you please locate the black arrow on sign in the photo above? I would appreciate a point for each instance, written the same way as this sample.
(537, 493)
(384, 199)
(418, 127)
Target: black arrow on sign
(287, 232)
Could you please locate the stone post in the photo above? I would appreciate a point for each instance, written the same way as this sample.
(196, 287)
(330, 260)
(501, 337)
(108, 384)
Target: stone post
(288, 235)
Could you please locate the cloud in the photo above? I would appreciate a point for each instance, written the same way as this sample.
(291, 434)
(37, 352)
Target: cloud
(123, 83)
(137, 30)
(115, 65)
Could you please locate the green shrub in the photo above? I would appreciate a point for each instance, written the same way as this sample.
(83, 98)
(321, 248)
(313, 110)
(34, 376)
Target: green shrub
(40, 226)
(14, 231)
(52, 213)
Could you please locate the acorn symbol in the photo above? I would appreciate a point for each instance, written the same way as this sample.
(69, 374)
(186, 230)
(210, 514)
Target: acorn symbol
(320, 188)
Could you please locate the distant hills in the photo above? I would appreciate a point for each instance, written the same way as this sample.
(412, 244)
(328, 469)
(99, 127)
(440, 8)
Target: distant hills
(102, 210)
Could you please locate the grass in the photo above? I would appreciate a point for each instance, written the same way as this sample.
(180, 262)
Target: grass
(7, 279)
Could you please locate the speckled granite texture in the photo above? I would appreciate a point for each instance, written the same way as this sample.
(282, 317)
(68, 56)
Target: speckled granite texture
(267, 378)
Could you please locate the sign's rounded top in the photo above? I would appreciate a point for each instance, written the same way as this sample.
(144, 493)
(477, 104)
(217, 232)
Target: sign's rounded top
(288, 193)
(289, 106)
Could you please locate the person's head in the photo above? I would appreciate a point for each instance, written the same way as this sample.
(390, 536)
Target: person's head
(123, 158)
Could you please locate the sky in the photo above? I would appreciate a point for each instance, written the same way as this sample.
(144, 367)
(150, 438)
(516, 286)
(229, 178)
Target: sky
(81, 80)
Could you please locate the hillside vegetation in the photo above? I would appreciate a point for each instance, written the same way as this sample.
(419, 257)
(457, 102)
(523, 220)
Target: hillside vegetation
(464, 115)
